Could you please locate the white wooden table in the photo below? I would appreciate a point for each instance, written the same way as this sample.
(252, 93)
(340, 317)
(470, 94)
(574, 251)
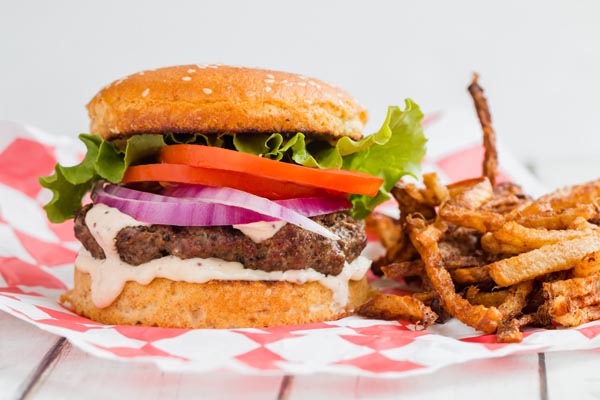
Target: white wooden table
(38, 365)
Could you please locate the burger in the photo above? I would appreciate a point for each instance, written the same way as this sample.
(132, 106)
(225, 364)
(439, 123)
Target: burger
(227, 197)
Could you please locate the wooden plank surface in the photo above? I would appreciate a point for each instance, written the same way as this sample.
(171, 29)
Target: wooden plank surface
(516, 377)
(38, 365)
(79, 375)
(23, 348)
(573, 375)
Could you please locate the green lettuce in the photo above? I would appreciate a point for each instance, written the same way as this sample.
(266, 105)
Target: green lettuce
(103, 160)
(394, 151)
(397, 149)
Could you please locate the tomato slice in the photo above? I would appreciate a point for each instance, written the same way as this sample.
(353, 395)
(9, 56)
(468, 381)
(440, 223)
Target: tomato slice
(260, 186)
(235, 161)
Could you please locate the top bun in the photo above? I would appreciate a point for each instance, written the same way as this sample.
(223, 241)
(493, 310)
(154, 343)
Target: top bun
(222, 99)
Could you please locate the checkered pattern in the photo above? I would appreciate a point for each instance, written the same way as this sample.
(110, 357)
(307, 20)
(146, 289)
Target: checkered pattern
(36, 268)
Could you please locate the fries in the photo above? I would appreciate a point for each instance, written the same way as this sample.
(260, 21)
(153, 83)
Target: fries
(393, 238)
(526, 239)
(490, 256)
(558, 219)
(482, 221)
(484, 239)
(471, 194)
(490, 163)
(578, 316)
(509, 332)
(488, 299)
(500, 238)
(582, 224)
(425, 238)
(410, 201)
(511, 307)
(388, 232)
(403, 269)
(391, 307)
(468, 276)
(508, 198)
(436, 193)
(571, 197)
(550, 258)
(590, 264)
(490, 244)
(575, 287)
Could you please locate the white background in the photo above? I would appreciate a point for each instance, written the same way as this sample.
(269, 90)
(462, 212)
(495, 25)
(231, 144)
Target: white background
(539, 60)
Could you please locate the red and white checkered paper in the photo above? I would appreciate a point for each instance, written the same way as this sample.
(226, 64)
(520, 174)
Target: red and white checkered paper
(36, 266)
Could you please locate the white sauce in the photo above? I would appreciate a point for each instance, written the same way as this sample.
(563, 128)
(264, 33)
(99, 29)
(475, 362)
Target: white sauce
(260, 231)
(110, 274)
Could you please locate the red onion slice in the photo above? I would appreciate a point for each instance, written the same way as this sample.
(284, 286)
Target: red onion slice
(237, 198)
(163, 210)
(210, 206)
(307, 206)
(313, 206)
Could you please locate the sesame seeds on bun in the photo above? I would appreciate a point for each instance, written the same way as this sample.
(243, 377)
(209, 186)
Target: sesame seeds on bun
(223, 99)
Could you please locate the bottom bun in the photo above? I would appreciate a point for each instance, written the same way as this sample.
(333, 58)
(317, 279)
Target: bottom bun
(216, 304)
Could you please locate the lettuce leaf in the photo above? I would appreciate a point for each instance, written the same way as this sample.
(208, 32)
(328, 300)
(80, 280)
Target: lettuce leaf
(394, 151)
(103, 160)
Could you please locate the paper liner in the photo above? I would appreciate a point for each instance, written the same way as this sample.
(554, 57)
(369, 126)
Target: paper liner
(36, 267)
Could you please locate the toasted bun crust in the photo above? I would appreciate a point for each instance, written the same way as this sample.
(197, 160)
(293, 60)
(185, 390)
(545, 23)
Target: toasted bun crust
(217, 99)
(215, 304)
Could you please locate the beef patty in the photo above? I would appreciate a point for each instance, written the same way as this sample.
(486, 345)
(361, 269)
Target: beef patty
(291, 248)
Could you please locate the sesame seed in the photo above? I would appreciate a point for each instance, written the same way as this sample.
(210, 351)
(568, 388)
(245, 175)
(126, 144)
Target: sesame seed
(119, 81)
(201, 66)
(145, 92)
(213, 66)
(283, 82)
(268, 89)
(340, 94)
(207, 90)
(301, 83)
(186, 78)
(269, 80)
(191, 71)
(308, 101)
(289, 84)
(302, 77)
(318, 86)
(141, 73)
(270, 76)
